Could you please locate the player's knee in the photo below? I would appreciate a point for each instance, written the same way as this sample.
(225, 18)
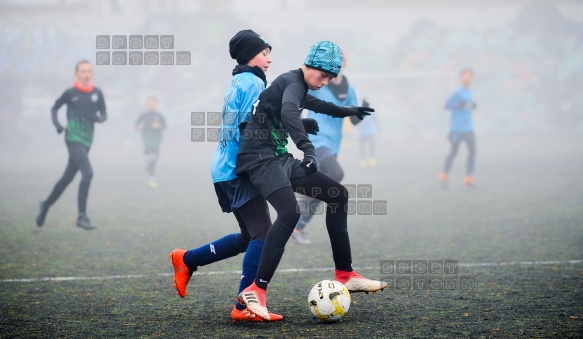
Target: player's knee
(87, 176)
(65, 180)
(291, 215)
(339, 195)
(244, 241)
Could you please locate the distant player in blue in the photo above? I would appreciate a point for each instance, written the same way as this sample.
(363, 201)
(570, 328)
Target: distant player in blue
(235, 193)
(327, 143)
(461, 127)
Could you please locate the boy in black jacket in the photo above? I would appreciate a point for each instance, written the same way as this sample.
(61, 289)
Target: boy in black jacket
(263, 157)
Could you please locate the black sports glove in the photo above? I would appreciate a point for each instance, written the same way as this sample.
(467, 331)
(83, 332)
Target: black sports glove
(311, 126)
(59, 128)
(309, 163)
(359, 112)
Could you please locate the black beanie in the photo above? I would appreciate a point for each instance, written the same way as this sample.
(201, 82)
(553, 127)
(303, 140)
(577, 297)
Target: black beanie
(245, 45)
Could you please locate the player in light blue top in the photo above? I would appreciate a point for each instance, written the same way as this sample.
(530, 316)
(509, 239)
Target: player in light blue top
(235, 194)
(237, 106)
(327, 144)
(461, 127)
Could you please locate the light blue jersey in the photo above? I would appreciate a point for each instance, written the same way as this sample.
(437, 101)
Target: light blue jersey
(330, 134)
(461, 117)
(242, 93)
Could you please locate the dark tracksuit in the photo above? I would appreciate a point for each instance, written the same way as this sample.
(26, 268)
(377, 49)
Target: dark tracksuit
(83, 110)
(263, 157)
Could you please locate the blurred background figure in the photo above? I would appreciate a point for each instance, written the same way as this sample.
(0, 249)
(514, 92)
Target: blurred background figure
(151, 124)
(367, 131)
(85, 107)
(327, 143)
(461, 128)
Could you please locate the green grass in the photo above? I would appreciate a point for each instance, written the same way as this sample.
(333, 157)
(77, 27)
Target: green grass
(528, 207)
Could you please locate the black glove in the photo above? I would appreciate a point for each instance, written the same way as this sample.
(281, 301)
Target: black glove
(311, 126)
(359, 112)
(310, 163)
(59, 128)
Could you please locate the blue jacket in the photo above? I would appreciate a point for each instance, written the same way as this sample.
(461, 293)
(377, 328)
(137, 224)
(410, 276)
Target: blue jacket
(330, 134)
(242, 93)
(461, 117)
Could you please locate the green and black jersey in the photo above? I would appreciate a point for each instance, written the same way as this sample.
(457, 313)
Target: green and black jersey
(153, 123)
(277, 116)
(83, 110)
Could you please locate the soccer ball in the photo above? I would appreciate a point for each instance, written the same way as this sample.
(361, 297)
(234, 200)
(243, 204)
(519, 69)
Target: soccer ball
(329, 300)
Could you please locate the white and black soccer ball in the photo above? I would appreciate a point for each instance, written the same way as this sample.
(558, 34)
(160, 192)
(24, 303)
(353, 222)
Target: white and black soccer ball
(329, 300)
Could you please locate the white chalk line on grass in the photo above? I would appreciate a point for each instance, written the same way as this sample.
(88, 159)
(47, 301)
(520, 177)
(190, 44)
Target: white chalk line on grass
(286, 270)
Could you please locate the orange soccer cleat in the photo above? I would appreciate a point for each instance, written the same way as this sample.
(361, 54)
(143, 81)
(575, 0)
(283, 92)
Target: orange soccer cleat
(254, 298)
(443, 178)
(181, 272)
(469, 181)
(245, 315)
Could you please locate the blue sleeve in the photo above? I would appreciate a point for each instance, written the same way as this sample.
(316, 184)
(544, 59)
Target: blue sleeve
(453, 101)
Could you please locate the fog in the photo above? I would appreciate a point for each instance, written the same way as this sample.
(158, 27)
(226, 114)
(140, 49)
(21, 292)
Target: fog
(402, 56)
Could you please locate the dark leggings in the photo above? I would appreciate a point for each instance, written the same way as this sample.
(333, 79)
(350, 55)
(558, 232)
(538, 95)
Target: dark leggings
(254, 220)
(456, 139)
(331, 168)
(78, 160)
(283, 200)
(151, 160)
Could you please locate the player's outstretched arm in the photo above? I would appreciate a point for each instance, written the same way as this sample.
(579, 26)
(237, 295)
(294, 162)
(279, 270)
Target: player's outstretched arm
(314, 104)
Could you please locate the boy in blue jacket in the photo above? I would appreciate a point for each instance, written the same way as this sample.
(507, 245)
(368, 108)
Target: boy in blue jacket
(461, 128)
(235, 193)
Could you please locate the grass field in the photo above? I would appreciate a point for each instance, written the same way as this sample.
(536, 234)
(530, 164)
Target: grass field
(513, 236)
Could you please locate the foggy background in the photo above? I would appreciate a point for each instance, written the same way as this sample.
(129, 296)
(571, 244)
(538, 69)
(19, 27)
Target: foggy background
(404, 57)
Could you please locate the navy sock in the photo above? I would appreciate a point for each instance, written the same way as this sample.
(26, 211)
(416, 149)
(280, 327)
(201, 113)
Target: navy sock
(250, 264)
(226, 247)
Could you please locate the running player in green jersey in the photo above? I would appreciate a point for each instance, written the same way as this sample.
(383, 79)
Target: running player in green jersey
(85, 107)
(151, 124)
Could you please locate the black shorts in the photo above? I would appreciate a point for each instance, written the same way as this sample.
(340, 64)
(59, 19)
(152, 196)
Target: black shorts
(235, 193)
(273, 173)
